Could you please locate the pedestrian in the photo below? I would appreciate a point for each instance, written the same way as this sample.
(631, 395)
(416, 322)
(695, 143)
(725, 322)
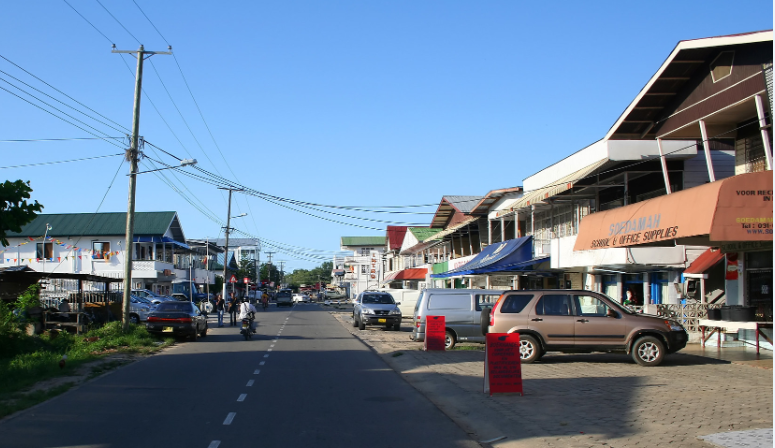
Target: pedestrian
(233, 305)
(220, 307)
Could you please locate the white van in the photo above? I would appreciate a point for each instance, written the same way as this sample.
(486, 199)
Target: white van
(406, 297)
(461, 308)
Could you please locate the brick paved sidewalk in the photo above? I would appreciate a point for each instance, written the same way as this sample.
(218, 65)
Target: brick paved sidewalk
(584, 400)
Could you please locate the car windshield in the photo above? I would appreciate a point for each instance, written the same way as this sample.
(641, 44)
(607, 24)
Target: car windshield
(174, 306)
(381, 299)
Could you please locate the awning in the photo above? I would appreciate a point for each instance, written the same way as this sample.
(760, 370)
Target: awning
(560, 186)
(407, 274)
(707, 260)
(735, 209)
(451, 229)
(159, 239)
(495, 257)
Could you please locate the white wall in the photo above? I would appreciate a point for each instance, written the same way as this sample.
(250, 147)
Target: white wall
(563, 256)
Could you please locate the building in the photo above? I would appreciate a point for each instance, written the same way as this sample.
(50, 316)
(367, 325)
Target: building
(363, 269)
(93, 243)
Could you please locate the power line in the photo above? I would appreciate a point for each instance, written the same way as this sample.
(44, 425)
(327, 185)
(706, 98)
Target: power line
(66, 139)
(60, 161)
(87, 21)
(117, 21)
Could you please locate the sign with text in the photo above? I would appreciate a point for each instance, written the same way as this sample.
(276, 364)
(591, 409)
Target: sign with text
(435, 330)
(502, 364)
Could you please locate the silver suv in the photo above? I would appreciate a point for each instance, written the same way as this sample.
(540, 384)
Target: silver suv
(376, 308)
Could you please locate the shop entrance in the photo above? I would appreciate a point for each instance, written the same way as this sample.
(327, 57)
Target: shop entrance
(758, 280)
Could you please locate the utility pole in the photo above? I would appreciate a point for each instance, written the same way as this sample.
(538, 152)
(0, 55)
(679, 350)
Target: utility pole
(282, 273)
(269, 267)
(226, 253)
(132, 155)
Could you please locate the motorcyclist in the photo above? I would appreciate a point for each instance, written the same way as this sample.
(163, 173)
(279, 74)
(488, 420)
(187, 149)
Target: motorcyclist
(247, 311)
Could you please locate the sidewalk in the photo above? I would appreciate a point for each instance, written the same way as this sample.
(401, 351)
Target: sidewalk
(583, 400)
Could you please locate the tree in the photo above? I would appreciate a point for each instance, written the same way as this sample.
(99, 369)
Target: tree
(247, 268)
(310, 277)
(15, 211)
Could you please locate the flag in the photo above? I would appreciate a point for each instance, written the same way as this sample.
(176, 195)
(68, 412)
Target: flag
(31, 238)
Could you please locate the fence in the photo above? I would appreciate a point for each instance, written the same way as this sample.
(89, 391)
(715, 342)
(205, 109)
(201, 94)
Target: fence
(54, 290)
(688, 315)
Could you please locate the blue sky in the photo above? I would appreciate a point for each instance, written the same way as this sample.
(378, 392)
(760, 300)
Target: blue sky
(335, 102)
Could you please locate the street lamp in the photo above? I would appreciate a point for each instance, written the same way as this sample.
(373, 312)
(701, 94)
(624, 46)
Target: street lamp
(184, 162)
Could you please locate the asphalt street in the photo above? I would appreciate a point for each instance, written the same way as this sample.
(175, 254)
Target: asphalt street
(303, 380)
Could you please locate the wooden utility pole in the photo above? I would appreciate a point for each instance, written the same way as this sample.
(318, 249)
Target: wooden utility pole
(132, 155)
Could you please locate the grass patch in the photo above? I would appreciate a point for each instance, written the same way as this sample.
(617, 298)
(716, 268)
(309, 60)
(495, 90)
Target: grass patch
(25, 360)
(478, 348)
(20, 401)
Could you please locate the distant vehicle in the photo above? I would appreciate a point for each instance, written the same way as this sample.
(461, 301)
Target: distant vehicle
(139, 309)
(284, 297)
(376, 308)
(406, 297)
(177, 319)
(301, 298)
(184, 287)
(147, 294)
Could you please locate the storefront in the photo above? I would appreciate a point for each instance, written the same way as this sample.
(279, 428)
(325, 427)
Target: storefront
(733, 214)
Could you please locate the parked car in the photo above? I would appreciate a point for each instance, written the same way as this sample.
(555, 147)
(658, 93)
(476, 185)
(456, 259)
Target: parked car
(139, 309)
(177, 319)
(284, 298)
(376, 308)
(406, 297)
(582, 321)
(150, 296)
(461, 309)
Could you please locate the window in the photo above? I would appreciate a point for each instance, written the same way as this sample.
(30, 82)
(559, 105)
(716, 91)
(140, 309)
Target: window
(380, 299)
(450, 302)
(485, 300)
(100, 250)
(554, 305)
(591, 306)
(364, 269)
(44, 250)
(515, 304)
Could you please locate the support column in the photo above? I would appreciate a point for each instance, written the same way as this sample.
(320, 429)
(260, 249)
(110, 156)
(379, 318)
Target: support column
(516, 225)
(765, 133)
(625, 200)
(503, 230)
(663, 162)
(489, 232)
(706, 147)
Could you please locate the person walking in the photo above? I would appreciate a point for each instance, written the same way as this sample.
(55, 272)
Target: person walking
(220, 307)
(233, 305)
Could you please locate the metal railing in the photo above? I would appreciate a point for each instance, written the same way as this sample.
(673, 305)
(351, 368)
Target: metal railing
(688, 315)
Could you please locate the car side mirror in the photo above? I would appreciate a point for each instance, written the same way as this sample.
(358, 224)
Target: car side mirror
(398, 303)
(612, 313)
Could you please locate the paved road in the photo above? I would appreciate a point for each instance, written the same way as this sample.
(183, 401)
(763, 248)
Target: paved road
(303, 381)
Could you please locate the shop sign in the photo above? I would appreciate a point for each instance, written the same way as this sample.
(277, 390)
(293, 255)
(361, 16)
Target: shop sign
(374, 265)
(502, 364)
(435, 331)
(746, 246)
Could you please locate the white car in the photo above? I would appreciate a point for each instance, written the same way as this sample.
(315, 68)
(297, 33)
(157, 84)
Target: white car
(301, 298)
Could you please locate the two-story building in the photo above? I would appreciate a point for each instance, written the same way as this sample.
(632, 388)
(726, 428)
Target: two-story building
(363, 269)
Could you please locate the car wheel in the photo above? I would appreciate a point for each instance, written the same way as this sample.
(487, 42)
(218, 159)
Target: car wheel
(134, 319)
(355, 322)
(648, 351)
(397, 327)
(484, 320)
(204, 332)
(361, 325)
(529, 349)
(194, 336)
(449, 340)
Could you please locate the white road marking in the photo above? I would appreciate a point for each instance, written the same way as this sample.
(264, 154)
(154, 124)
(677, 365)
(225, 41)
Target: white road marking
(256, 372)
(229, 418)
(266, 356)
(271, 346)
(242, 397)
(250, 383)
(261, 363)
(269, 349)
(214, 444)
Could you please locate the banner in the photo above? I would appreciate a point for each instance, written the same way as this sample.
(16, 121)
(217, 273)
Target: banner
(435, 333)
(731, 266)
(502, 364)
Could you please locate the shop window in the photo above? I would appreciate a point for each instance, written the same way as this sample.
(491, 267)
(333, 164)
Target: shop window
(721, 67)
(101, 250)
(44, 250)
(759, 260)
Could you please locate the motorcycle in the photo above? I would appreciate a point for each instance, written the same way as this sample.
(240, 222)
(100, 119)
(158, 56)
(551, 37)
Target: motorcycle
(247, 328)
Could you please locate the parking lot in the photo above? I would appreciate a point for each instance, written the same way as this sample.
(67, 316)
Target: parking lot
(584, 399)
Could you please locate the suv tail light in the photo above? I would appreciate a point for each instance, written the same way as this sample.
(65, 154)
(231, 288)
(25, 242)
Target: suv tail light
(492, 310)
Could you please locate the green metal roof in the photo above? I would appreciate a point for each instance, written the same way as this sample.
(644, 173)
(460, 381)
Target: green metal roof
(97, 224)
(363, 240)
(424, 233)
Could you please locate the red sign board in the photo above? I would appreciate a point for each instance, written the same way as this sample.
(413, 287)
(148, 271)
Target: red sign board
(246, 280)
(435, 331)
(233, 279)
(502, 364)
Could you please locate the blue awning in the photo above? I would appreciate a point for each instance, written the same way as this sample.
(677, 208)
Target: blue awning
(505, 256)
(159, 239)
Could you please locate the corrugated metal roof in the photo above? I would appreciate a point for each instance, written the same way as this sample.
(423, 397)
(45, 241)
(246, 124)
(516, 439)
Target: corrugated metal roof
(363, 241)
(463, 203)
(424, 233)
(96, 224)
(395, 235)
